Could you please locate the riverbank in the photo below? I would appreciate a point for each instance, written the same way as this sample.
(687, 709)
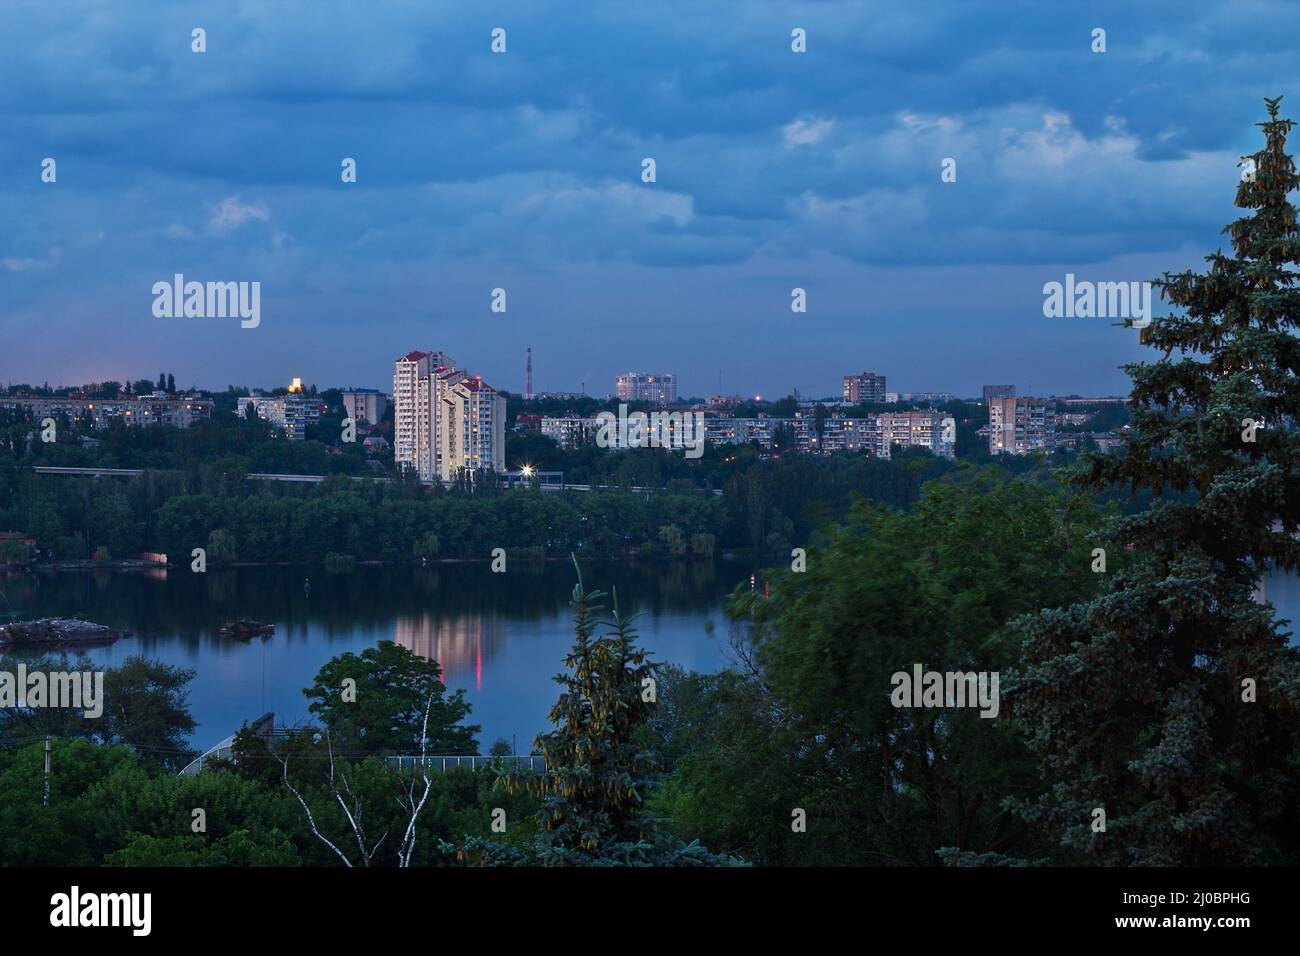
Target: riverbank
(526, 554)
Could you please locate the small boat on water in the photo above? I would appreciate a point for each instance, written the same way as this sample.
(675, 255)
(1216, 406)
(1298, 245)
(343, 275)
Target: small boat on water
(245, 628)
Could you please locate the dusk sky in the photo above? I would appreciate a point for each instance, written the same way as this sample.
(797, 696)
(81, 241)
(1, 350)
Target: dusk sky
(522, 170)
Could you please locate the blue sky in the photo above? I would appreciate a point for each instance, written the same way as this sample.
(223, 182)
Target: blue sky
(522, 171)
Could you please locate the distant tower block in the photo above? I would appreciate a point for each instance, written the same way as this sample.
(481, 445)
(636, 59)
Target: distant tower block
(528, 376)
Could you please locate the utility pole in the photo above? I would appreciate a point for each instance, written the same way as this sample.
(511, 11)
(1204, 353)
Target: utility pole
(46, 801)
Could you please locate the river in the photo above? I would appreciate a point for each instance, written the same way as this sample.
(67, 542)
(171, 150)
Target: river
(499, 636)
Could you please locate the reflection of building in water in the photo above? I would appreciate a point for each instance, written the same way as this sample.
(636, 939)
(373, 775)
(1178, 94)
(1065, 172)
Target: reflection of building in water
(461, 645)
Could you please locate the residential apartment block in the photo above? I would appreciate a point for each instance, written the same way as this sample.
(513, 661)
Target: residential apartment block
(365, 405)
(570, 431)
(917, 428)
(160, 408)
(637, 387)
(1105, 441)
(867, 387)
(444, 419)
(871, 433)
(1019, 425)
(414, 424)
(741, 431)
(289, 414)
(473, 428)
(675, 430)
(838, 434)
(932, 397)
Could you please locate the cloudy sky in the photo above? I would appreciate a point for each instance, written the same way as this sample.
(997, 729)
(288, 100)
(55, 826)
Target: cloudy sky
(522, 171)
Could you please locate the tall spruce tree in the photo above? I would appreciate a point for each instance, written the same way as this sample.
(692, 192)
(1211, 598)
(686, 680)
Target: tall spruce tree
(1140, 702)
(598, 775)
(595, 785)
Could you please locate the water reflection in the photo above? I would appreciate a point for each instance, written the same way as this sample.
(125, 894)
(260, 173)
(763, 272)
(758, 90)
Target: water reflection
(459, 644)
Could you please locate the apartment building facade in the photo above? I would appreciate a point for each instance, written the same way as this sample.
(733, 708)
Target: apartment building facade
(444, 420)
(998, 391)
(178, 411)
(921, 428)
(288, 414)
(871, 433)
(569, 431)
(1020, 425)
(837, 434)
(639, 387)
(472, 422)
(742, 431)
(365, 405)
(414, 416)
(867, 387)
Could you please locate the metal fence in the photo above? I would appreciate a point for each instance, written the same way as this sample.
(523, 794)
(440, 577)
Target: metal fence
(442, 764)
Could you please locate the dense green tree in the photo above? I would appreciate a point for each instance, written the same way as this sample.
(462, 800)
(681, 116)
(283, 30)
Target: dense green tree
(375, 703)
(807, 722)
(1139, 701)
(673, 540)
(24, 725)
(135, 816)
(732, 784)
(427, 546)
(239, 849)
(221, 547)
(147, 708)
(35, 834)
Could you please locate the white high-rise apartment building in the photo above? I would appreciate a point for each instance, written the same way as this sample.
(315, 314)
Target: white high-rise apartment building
(408, 371)
(444, 420)
(472, 427)
(636, 387)
(414, 411)
(440, 385)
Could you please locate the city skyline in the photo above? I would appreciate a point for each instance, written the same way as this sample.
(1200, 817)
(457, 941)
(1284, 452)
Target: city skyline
(259, 389)
(522, 170)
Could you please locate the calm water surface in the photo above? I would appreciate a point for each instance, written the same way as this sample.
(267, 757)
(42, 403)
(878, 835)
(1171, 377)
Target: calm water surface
(501, 637)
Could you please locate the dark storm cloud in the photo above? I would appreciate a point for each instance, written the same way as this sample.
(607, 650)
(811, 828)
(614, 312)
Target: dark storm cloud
(523, 170)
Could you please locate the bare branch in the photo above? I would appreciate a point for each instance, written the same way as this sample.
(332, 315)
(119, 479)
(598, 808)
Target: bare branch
(311, 820)
(408, 841)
